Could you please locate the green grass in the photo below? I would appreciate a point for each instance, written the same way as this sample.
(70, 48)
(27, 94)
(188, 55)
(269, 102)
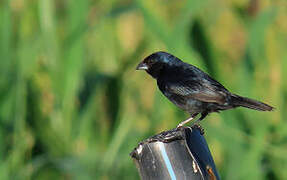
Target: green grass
(72, 105)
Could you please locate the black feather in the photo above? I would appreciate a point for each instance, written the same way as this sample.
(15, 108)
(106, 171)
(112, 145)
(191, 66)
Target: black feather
(250, 103)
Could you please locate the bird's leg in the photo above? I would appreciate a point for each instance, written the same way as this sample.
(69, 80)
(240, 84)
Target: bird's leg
(186, 121)
(203, 115)
(196, 125)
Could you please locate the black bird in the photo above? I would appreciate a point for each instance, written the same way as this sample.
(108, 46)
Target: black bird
(191, 89)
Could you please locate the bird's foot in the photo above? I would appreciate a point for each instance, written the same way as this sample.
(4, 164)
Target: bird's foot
(197, 126)
(184, 122)
(180, 125)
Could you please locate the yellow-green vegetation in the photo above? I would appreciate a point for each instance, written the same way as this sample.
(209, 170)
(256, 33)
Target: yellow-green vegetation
(72, 105)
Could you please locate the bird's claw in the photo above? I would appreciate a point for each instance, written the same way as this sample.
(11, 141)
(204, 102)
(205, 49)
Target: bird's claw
(179, 126)
(197, 126)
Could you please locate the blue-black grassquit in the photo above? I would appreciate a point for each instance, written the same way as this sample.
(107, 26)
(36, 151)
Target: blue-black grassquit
(191, 89)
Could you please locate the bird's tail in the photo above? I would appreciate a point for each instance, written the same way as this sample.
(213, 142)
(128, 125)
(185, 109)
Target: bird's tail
(250, 103)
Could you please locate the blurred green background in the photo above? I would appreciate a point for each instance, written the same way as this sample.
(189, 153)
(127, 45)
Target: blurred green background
(72, 105)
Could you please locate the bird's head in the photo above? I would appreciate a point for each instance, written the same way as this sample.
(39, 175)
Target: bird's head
(156, 62)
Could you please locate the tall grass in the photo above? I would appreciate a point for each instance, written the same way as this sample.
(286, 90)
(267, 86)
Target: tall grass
(73, 107)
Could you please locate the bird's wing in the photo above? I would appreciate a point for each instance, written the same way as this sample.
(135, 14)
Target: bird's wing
(198, 89)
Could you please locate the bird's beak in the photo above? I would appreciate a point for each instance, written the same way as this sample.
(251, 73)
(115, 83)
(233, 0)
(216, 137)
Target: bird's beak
(142, 66)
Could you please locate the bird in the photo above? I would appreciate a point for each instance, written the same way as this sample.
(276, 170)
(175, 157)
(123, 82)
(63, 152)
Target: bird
(191, 89)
